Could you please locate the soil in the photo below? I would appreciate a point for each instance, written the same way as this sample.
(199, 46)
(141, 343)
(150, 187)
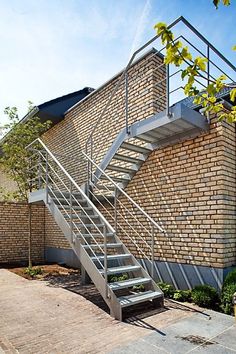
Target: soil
(47, 271)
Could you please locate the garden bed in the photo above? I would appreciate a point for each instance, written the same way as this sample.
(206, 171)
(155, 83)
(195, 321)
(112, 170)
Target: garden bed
(43, 272)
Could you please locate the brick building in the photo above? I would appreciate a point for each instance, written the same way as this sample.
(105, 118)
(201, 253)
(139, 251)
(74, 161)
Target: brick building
(180, 171)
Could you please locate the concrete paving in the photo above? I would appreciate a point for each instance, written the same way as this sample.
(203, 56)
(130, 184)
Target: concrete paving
(36, 317)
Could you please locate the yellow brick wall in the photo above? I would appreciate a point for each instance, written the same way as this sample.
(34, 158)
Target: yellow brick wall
(190, 188)
(53, 235)
(70, 135)
(67, 138)
(14, 233)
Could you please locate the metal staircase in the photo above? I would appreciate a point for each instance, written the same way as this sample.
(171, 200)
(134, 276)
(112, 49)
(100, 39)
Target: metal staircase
(98, 217)
(175, 118)
(130, 150)
(94, 240)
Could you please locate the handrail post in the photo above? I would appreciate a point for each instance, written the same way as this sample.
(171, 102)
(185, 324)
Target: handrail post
(40, 172)
(208, 64)
(115, 210)
(30, 164)
(47, 177)
(88, 164)
(152, 270)
(208, 74)
(105, 260)
(71, 223)
(127, 102)
(168, 90)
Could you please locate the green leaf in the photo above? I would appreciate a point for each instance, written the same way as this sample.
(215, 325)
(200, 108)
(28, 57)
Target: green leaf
(233, 95)
(160, 27)
(201, 63)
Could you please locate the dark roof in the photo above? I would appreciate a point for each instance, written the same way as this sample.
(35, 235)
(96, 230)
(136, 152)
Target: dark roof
(54, 110)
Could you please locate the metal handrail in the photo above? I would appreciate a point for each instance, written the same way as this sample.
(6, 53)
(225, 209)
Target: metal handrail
(151, 261)
(124, 193)
(124, 72)
(71, 180)
(106, 175)
(72, 208)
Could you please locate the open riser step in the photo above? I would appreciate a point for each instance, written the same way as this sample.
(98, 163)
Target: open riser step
(85, 229)
(129, 151)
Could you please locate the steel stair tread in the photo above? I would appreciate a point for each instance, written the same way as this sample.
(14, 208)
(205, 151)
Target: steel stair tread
(128, 283)
(110, 234)
(112, 256)
(135, 148)
(76, 207)
(116, 168)
(130, 300)
(117, 179)
(89, 225)
(115, 270)
(82, 216)
(109, 245)
(67, 199)
(128, 159)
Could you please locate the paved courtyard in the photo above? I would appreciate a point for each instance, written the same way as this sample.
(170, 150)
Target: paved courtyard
(39, 317)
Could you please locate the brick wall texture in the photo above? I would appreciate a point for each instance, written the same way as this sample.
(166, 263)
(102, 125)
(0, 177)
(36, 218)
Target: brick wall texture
(14, 233)
(70, 135)
(188, 187)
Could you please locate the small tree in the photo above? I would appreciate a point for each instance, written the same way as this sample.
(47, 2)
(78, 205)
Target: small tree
(15, 158)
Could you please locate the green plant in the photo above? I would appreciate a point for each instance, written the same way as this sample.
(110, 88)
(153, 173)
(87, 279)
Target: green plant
(33, 271)
(167, 289)
(206, 296)
(227, 298)
(230, 278)
(118, 277)
(139, 288)
(182, 295)
(228, 290)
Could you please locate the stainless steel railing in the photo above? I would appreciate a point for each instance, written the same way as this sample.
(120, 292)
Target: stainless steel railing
(127, 217)
(124, 217)
(48, 173)
(171, 83)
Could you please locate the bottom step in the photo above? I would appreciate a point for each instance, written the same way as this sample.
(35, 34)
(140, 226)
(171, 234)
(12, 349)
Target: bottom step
(137, 298)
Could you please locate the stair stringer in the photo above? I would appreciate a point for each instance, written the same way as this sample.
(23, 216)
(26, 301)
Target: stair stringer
(107, 293)
(179, 112)
(121, 138)
(80, 252)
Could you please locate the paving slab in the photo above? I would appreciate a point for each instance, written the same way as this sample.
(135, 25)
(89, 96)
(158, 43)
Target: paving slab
(207, 332)
(38, 317)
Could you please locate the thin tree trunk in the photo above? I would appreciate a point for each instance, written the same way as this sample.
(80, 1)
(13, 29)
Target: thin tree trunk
(30, 236)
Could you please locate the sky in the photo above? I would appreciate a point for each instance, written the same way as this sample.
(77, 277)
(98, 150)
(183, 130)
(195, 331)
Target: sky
(53, 47)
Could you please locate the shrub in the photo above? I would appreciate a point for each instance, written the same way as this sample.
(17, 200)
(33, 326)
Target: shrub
(230, 278)
(182, 295)
(205, 296)
(167, 289)
(33, 271)
(227, 298)
(228, 290)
